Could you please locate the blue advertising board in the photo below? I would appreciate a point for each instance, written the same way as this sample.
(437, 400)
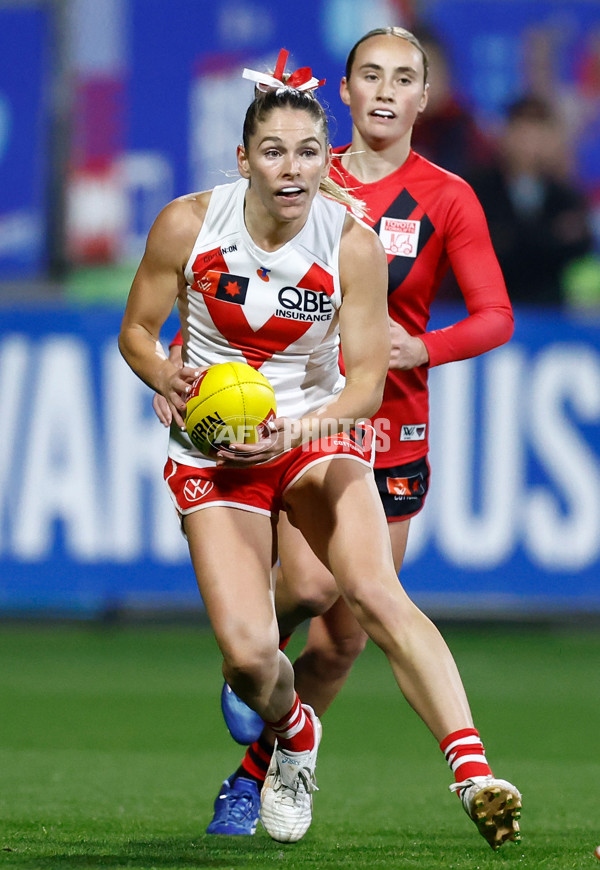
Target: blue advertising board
(514, 509)
(510, 525)
(24, 143)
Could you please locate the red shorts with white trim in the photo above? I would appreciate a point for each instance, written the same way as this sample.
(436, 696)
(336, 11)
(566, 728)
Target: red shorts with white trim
(260, 488)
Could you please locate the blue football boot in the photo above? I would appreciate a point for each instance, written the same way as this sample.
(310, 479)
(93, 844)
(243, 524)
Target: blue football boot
(237, 808)
(245, 726)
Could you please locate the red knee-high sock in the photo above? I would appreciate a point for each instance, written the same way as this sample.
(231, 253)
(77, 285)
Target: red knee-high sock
(465, 754)
(294, 731)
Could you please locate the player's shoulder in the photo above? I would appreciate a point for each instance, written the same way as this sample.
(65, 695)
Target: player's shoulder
(443, 181)
(359, 239)
(180, 221)
(174, 232)
(190, 206)
(356, 227)
(429, 170)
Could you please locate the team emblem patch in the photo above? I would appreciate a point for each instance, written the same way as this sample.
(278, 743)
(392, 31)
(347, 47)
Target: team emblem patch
(400, 237)
(405, 487)
(413, 433)
(222, 285)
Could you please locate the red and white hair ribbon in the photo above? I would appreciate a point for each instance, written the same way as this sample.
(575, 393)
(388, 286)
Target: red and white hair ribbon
(300, 80)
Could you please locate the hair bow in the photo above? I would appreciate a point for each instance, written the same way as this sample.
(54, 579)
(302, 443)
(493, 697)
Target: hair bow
(300, 80)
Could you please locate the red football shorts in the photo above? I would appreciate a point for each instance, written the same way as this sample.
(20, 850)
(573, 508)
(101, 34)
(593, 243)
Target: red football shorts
(260, 488)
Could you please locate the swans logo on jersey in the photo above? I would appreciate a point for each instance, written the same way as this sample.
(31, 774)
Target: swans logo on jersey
(400, 237)
(222, 285)
(196, 488)
(263, 273)
(303, 304)
(413, 433)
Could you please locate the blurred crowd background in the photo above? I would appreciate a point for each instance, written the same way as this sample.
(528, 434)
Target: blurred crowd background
(110, 108)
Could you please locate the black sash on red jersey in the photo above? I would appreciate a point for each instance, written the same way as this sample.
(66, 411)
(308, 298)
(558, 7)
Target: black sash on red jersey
(402, 208)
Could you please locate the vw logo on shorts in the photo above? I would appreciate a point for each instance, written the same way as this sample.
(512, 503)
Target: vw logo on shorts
(197, 488)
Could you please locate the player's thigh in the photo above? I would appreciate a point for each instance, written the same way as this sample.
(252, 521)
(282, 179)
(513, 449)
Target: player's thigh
(398, 532)
(232, 554)
(337, 508)
(304, 583)
(403, 489)
(336, 633)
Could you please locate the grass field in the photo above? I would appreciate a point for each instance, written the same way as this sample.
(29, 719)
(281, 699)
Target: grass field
(112, 750)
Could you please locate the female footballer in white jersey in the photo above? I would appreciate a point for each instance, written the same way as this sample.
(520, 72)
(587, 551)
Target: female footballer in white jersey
(324, 483)
(386, 87)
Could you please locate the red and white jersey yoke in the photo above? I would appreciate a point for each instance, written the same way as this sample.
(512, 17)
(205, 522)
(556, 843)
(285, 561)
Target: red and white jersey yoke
(276, 310)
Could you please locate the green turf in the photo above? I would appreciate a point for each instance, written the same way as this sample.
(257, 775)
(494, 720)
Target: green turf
(112, 750)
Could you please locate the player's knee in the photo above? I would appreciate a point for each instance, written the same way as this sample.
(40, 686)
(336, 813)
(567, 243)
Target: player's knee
(342, 654)
(379, 604)
(315, 597)
(333, 659)
(331, 664)
(251, 663)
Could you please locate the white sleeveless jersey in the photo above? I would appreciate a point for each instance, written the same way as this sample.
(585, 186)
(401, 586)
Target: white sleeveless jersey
(277, 311)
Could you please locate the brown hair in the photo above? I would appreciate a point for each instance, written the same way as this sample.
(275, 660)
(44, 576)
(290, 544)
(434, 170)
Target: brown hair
(262, 106)
(401, 33)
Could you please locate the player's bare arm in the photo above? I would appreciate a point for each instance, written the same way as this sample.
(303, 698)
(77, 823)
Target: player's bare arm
(158, 281)
(162, 409)
(364, 326)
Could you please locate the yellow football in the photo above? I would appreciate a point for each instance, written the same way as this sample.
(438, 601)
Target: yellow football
(227, 405)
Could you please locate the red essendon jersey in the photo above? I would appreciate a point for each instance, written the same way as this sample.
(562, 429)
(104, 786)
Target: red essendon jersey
(429, 219)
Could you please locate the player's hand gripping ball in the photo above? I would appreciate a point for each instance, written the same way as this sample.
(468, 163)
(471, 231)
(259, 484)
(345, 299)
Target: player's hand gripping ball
(229, 404)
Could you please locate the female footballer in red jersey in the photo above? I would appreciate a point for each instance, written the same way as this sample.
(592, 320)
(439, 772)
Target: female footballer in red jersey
(427, 219)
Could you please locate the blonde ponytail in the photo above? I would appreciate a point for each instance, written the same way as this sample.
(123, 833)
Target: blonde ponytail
(333, 190)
